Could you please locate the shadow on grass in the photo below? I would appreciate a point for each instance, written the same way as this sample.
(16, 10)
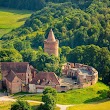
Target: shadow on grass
(22, 19)
(15, 11)
(102, 96)
(34, 107)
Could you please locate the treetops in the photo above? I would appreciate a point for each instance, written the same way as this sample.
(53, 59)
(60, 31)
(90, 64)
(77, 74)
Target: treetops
(74, 24)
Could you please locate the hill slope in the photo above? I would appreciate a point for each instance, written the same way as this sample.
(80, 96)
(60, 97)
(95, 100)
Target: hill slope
(94, 106)
(11, 19)
(73, 27)
(39, 4)
(93, 93)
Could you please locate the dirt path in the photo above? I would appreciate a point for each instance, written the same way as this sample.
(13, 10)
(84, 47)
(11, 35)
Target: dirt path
(8, 98)
(63, 107)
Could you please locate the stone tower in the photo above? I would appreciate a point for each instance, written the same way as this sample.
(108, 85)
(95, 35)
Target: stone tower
(51, 44)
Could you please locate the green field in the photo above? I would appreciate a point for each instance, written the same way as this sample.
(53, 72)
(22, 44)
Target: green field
(11, 19)
(93, 93)
(95, 106)
(6, 105)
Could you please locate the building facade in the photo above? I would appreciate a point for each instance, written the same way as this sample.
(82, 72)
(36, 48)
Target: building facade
(16, 76)
(42, 80)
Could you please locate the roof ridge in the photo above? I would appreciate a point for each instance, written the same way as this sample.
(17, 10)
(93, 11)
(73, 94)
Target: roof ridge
(51, 36)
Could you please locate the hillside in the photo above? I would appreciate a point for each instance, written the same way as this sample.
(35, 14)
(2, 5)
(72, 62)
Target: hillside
(93, 93)
(39, 4)
(12, 19)
(94, 106)
(73, 26)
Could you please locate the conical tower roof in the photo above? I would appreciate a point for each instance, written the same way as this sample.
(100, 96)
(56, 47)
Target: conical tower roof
(51, 36)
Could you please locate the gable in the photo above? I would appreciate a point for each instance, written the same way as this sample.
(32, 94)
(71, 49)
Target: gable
(16, 80)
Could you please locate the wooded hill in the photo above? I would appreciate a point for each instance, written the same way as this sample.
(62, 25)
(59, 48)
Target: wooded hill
(74, 25)
(39, 4)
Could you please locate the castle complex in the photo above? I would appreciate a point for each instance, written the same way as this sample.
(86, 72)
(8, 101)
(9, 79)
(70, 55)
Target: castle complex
(51, 44)
(22, 77)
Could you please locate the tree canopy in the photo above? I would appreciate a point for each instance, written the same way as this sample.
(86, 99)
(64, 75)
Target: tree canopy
(20, 105)
(76, 24)
(94, 56)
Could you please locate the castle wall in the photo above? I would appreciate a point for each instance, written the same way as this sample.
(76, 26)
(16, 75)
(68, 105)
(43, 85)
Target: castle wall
(83, 79)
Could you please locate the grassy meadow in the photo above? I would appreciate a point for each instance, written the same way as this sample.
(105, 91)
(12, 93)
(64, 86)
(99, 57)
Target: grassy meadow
(93, 93)
(11, 19)
(94, 106)
(7, 105)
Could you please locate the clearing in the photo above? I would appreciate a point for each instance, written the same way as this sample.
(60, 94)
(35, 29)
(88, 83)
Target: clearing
(11, 19)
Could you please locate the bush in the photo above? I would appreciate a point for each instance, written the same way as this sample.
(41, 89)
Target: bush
(108, 94)
(50, 90)
(20, 105)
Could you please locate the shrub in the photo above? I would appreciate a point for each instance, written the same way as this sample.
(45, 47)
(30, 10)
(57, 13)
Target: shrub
(108, 94)
(20, 105)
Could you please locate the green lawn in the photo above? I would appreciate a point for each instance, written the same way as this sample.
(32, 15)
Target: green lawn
(93, 93)
(86, 95)
(7, 104)
(11, 19)
(95, 106)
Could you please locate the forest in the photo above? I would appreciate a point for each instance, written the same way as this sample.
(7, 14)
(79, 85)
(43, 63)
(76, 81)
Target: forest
(81, 26)
(39, 4)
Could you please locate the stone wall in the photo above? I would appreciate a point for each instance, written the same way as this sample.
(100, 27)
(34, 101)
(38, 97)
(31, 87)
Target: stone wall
(83, 80)
(51, 47)
(32, 88)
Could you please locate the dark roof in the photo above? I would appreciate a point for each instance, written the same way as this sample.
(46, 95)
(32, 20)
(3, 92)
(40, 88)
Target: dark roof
(44, 78)
(11, 75)
(17, 67)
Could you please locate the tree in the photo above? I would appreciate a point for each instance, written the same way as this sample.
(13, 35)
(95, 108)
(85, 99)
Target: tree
(65, 50)
(21, 45)
(10, 55)
(108, 93)
(45, 62)
(38, 41)
(49, 102)
(20, 105)
(50, 90)
(29, 55)
(49, 99)
(94, 56)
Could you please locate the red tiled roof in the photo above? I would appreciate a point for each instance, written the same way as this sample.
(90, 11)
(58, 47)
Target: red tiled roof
(11, 75)
(18, 67)
(47, 76)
